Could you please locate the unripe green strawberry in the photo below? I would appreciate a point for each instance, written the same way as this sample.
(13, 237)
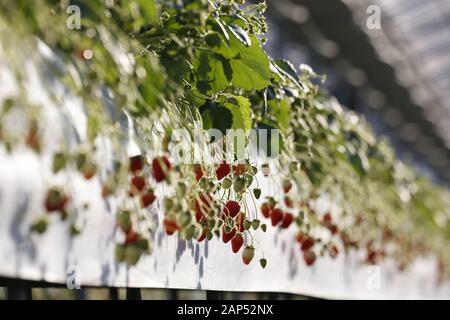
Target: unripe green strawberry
(263, 262)
(123, 220)
(189, 232)
(59, 162)
(132, 254)
(255, 224)
(257, 193)
(239, 185)
(248, 254)
(227, 183)
(40, 225)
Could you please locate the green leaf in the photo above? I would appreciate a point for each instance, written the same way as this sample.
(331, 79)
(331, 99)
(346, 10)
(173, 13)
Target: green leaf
(287, 69)
(241, 112)
(251, 68)
(250, 65)
(213, 71)
(175, 60)
(281, 111)
(218, 26)
(241, 34)
(149, 10)
(216, 116)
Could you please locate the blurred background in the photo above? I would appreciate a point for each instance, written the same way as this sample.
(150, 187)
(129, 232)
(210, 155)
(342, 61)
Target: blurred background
(386, 59)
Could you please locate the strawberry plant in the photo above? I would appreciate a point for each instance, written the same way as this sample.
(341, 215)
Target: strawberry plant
(201, 64)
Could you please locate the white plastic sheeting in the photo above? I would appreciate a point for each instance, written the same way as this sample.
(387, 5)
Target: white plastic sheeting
(53, 256)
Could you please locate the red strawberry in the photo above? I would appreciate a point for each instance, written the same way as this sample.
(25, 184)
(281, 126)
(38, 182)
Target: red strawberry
(106, 191)
(333, 251)
(137, 184)
(240, 169)
(327, 218)
(288, 218)
(33, 139)
(202, 236)
(301, 237)
(199, 217)
(287, 186)
(131, 237)
(223, 170)
(89, 171)
(136, 164)
(248, 254)
(327, 222)
(202, 205)
(309, 257)
(198, 170)
(171, 226)
(55, 200)
(307, 244)
(240, 222)
(288, 202)
(347, 241)
(160, 167)
(333, 229)
(276, 215)
(226, 237)
(237, 242)
(266, 209)
(147, 199)
(372, 256)
(232, 208)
